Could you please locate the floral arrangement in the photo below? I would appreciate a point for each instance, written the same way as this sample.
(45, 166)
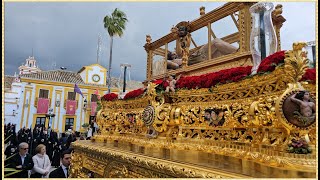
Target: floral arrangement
(109, 97)
(211, 79)
(310, 76)
(162, 84)
(299, 147)
(224, 76)
(271, 62)
(134, 93)
(85, 125)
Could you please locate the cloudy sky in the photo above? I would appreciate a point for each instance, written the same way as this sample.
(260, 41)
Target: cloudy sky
(66, 34)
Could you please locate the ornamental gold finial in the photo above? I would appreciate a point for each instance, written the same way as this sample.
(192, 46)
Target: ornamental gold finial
(277, 11)
(296, 62)
(148, 39)
(174, 29)
(202, 10)
(297, 46)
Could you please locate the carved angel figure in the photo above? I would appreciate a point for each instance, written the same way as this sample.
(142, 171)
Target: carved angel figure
(277, 11)
(148, 39)
(172, 83)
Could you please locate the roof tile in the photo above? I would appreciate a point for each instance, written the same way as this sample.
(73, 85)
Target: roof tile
(73, 77)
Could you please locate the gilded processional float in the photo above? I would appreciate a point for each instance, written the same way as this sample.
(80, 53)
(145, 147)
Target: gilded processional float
(211, 111)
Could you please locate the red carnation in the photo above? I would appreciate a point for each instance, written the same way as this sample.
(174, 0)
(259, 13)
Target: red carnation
(269, 63)
(109, 97)
(134, 94)
(310, 75)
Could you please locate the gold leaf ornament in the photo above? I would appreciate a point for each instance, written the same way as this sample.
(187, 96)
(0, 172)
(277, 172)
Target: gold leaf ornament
(296, 62)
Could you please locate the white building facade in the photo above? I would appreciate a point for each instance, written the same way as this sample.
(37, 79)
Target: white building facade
(12, 95)
(28, 102)
(55, 90)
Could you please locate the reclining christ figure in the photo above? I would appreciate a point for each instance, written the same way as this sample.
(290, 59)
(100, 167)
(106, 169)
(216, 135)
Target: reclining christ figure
(218, 48)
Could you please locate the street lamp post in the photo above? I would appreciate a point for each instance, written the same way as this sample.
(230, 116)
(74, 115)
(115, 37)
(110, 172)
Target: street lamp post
(125, 74)
(312, 44)
(49, 116)
(85, 104)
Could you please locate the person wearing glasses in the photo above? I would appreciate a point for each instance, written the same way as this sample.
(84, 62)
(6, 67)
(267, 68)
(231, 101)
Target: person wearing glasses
(21, 161)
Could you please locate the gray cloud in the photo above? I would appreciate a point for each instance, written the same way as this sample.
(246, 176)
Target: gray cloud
(66, 33)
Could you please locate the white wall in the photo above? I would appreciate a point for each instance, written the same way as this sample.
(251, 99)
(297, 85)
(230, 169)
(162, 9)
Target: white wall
(21, 93)
(96, 70)
(83, 75)
(11, 102)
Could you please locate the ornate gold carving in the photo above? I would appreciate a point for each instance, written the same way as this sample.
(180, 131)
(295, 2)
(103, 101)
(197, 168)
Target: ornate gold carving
(296, 62)
(295, 66)
(148, 39)
(202, 10)
(254, 126)
(244, 28)
(174, 29)
(116, 170)
(278, 21)
(152, 89)
(184, 41)
(264, 112)
(129, 165)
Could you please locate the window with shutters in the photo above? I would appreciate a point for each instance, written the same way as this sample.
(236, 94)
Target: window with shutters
(44, 94)
(69, 123)
(94, 98)
(40, 121)
(71, 96)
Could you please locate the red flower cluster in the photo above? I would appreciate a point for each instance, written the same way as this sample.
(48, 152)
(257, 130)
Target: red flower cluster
(232, 75)
(211, 79)
(134, 93)
(162, 82)
(310, 75)
(109, 97)
(269, 63)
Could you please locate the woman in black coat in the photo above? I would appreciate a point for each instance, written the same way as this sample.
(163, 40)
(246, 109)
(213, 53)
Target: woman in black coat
(50, 143)
(56, 154)
(22, 135)
(10, 150)
(35, 140)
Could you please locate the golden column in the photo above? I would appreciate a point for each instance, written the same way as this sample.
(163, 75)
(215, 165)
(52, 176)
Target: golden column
(278, 20)
(149, 57)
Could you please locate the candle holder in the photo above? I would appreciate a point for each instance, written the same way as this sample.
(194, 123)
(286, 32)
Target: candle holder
(263, 39)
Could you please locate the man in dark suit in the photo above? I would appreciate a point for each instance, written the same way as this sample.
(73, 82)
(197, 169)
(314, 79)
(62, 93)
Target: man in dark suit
(21, 161)
(63, 170)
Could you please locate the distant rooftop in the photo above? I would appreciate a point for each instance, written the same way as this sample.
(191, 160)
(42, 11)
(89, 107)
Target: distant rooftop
(8, 80)
(74, 78)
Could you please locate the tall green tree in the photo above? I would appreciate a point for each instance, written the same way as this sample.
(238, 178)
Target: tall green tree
(115, 25)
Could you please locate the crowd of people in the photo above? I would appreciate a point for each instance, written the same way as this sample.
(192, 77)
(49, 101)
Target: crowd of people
(37, 151)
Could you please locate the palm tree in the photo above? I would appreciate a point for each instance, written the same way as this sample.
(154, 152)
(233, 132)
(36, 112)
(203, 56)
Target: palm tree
(115, 25)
